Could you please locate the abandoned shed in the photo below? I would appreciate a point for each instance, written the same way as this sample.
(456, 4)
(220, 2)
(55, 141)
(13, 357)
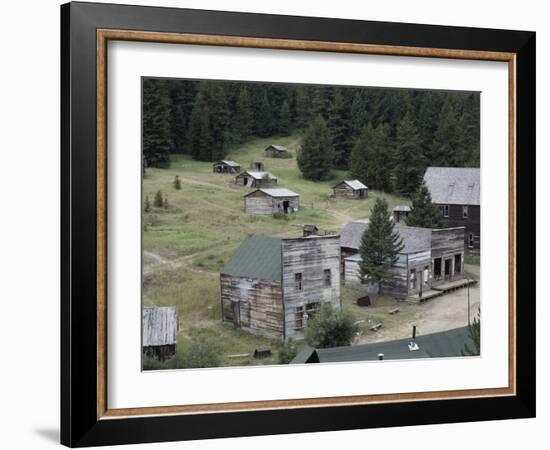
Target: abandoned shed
(257, 166)
(271, 201)
(400, 213)
(277, 151)
(251, 178)
(160, 328)
(456, 190)
(443, 344)
(226, 166)
(308, 230)
(351, 189)
(430, 262)
(272, 286)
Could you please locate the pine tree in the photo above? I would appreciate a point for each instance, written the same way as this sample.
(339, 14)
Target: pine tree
(410, 163)
(158, 201)
(177, 183)
(339, 125)
(156, 123)
(474, 332)
(303, 104)
(178, 121)
(216, 100)
(429, 107)
(316, 154)
(284, 120)
(321, 101)
(423, 212)
(448, 145)
(359, 112)
(359, 161)
(200, 135)
(147, 206)
(380, 246)
(264, 116)
(165, 202)
(243, 118)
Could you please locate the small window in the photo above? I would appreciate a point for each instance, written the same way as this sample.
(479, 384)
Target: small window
(445, 210)
(312, 309)
(299, 318)
(471, 240)
(327, 277)
(465, 212)
(298, 281)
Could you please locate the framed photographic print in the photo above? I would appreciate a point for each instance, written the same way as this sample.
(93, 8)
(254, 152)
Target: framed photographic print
(277, 224)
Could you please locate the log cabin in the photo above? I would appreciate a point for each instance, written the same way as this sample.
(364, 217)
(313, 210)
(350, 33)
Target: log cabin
(456, 190)
(276, 151)
(400, 213)
(226, 166)
(251, 178)
(271, 201)
(160, 329)
(430, 258)
(272, 286)
(351, 189)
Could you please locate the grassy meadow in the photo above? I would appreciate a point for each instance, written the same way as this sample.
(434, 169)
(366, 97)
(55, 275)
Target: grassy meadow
(186, 245)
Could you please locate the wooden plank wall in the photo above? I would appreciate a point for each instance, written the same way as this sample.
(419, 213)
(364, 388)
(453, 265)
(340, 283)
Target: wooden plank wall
(446, 243)
(310, 257)
(258, 203)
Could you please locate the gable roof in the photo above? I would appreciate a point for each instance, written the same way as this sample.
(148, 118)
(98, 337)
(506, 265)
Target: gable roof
(435, 345)
(228, 163)
(414, 239)
(275, 192)
(258, 175)
(256, 257)
(353, 184)
(453, 185)
(160, 325)
(279, 148)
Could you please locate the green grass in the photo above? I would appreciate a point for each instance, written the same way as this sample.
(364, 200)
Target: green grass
(471, 259)
(187, 244)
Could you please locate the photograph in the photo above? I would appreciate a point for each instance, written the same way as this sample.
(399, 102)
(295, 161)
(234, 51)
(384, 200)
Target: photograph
(303, 223)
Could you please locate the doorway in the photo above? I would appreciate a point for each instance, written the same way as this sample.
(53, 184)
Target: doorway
(437, 268)
(286, 205)
(236, 309)
(458, 264)
(448, 272)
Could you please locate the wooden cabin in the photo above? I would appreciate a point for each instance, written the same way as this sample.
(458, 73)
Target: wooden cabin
(456, 190)
(271, 201)
(277, 151)
(226, 166)
(309, 230)
(400, 213)
(251, 178)
(429, 258)
(272, 286)
(160, 329)
(351, 189)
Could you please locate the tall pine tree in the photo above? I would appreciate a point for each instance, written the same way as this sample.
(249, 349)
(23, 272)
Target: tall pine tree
(303, 107)
(423, 212)
(200, 139)
(339, 125)
(410, 163)
(264, 116)
(448, 146)
(284, 120)
(156, 123)
(380, 246)
(316, 154)
(243, 118)
(216, 100)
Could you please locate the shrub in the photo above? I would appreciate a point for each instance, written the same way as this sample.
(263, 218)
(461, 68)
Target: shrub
(177, 183)
(331, 327)
(158, 201)
(147, 207)
(200, 354)
(165, 203)
(287, 352)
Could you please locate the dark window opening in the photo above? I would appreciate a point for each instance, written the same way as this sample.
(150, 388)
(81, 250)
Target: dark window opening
(445, 210)
(465, 212)
(327, 277)
(471, 240)
(458, 263)
(298, 281)
(437, 268)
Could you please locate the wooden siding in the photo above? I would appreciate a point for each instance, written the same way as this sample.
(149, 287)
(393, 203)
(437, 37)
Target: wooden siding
(259, 303)
(446, 244)
(472, 222)
(263, 204)
(225, 168)
(309, 257)
(345, 191)
(255, 183)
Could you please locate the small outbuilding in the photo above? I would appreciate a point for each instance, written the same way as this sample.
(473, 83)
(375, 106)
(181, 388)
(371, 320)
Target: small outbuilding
(277, 151)
(257, 166)
(400, 213)
(271, 201)
(251, 178)
(160, 329)
(310, 230)
(226, 166)
(351, 189)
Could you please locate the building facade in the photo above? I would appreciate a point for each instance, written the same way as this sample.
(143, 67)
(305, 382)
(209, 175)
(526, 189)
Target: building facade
(226, 166)
(353, 189)
(273, 286)
(253, 179)
(271, 201)
(456, 190)
(160, 329)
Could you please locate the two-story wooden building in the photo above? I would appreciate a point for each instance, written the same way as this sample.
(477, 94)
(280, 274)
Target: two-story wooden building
(272, 286)
(456, 190)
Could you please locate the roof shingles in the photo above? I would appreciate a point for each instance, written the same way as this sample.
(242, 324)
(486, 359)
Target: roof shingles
(453, 185)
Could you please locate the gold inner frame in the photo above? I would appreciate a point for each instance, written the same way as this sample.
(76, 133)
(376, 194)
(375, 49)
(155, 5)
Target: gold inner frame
(104, 35)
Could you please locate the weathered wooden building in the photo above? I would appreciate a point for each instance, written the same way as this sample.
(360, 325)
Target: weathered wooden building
(271, 201)
(272, 286)
(276, 151)
(160, 329)
(456, 190)
(309, 230)
(400, 213)
(251, 178)
(429, 258)
(226, 166)
(351, 189)
(257, 166)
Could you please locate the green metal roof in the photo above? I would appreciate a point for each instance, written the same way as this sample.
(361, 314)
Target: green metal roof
(435, 345)
(257, 257)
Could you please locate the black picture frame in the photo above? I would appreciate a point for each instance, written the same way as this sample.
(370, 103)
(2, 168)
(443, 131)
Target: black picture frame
(80, 425)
